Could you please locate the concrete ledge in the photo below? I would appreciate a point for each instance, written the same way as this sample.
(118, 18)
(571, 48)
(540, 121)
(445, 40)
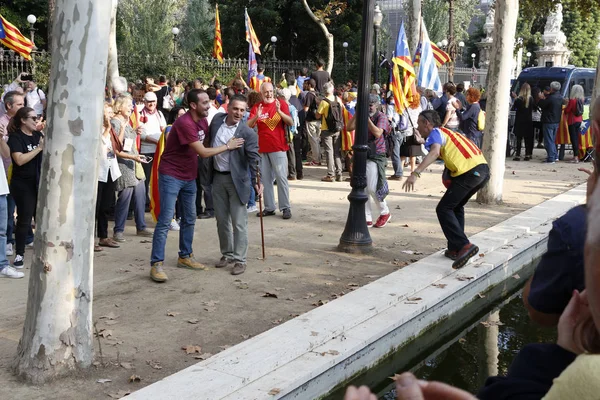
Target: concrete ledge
(306, 357)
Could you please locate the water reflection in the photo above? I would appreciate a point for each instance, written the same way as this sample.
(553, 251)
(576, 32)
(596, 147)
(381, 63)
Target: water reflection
(487, 349)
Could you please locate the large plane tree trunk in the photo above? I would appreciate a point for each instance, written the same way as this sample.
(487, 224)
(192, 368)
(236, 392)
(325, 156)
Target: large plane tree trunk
(496, 121)
(113, 58)
(327, 34)
(57, 334)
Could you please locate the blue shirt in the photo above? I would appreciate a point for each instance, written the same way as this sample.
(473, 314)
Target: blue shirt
(560, 270)
(434, 137)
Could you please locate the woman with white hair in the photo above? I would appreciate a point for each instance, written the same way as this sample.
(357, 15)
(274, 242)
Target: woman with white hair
(574, 114)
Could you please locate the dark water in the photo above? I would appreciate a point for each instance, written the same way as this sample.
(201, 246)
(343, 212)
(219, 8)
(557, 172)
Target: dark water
(465, 363)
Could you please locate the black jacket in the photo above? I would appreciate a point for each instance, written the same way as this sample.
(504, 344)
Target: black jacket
(551, 108)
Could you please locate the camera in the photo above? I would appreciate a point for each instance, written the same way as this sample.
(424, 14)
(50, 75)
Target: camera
(26, 77)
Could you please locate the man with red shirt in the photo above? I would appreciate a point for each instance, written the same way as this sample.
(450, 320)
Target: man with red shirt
(177, 177)
(271, 117)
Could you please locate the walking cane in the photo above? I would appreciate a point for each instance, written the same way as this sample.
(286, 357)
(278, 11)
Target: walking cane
(262, 229)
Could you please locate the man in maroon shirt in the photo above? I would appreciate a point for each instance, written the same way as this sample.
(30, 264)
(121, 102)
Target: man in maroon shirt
(177, 177)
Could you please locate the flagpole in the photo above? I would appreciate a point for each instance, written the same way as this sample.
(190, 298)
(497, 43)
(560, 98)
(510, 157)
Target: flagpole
(356, 238)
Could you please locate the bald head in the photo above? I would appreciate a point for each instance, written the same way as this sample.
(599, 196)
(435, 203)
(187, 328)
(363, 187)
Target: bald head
(266, 89)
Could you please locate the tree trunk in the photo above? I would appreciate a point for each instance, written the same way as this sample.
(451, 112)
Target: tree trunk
(496, 124)
(414, 25)
(113, 58)
(596, 91)
(57, 334)
(51, 8)
(328, 36)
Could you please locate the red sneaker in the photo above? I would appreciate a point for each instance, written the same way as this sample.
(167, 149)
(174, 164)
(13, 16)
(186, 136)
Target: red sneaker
(369, 224)
(464, 255)
(383, 220)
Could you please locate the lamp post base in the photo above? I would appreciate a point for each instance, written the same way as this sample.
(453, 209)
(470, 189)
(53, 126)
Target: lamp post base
(356, 238)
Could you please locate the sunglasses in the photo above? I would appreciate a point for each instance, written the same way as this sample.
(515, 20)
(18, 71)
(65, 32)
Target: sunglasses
(34, 118)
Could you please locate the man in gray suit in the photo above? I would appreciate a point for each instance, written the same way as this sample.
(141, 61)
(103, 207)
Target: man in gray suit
(231, 184)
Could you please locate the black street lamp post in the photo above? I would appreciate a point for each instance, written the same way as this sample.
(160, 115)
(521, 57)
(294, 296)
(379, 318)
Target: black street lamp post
(356, 238)
(377, 19)
(345, 44)
(175, 32)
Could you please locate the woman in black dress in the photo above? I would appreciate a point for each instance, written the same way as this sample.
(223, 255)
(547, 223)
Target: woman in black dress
(523, 107)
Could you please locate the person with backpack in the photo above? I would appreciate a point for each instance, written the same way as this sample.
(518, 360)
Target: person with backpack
(377, 184)
(313, 124)
(470, 117)
(165, 101)
(574, 114)
(332, 123)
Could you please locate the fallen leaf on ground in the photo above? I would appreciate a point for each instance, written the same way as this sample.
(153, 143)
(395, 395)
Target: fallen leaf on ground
(410, 302)
(277, 321)
(320, 303)
(210, 309)
(245, 337)
(111, 322)
(405, 226)
(193, 321)
(516, 276)
(371, 276)
(105, 333)
(145, 241)
(223, 347)
(210, 303)
(414, 299)
(104, 380)
(352, 284)
(242, 285)
(119, 394)
(267, 294)
(134, 378)
(439, 285)
(328, 284)
(279, 289)
(481, 295)
(154, 364)
(408, 252)
(274, 391)
(172, 313)
(464, 277)
(111, 315)
(313, 333)
(126, 365)
(481, 255)
(309, 296)
(191, 349)
(287, 263)
(203, 356)
(331, 352)
(462, 340)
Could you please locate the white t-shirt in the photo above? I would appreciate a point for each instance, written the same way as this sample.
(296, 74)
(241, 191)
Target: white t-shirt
(34, 100)
(212, 111)
(3, 182)
(153, 128)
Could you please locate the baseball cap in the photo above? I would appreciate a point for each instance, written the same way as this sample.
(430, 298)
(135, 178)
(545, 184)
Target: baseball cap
(150, 96)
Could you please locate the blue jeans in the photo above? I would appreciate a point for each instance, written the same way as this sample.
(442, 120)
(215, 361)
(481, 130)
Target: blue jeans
(396, 160)
(3, 218)
(169, 189)
(549, 139)
(138, 193)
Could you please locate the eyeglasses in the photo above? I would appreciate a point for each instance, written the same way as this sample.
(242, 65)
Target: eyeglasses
(34, 118)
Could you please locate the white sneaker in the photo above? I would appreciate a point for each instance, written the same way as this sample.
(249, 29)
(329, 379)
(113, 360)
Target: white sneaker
(18, 263)
(10, 272)
(174, 226)
(29, 245)
(252, 209)
(9, 249)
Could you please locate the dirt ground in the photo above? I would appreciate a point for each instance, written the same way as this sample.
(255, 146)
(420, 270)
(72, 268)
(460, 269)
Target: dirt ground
(147, 324)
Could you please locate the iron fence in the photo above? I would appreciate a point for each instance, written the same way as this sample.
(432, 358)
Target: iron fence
(475, 76)
(137, 66)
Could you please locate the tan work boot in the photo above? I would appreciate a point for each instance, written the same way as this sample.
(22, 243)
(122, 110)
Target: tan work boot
(190, 263)
(157, 274)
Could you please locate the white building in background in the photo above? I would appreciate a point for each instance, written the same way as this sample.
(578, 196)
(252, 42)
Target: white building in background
(393, 15)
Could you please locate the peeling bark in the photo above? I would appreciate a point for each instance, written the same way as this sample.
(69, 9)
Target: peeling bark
(414, 25)
(57, 334)
(328, 36)
(496, 121)
(113, 57)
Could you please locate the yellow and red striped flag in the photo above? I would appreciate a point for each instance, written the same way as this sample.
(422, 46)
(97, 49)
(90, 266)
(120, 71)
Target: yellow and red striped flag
(14, 40)
(218, 46)
(402, 89)
(251, 35)
(439, 55)
(153, 192)
(585, 138)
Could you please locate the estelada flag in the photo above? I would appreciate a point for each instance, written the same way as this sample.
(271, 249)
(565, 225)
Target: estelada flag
(218, 45)
(403, 86)
(347, 136)
(12, 38)
(439, 55)
(251, 35)
(585, 131)
(153, 192)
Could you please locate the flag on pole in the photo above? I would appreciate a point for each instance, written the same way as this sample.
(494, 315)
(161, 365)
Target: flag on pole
(440, 56)
(251, 35)
(153, 192)
(218, 46)
(252, 65)
(14, 40)
(427, 70)
(402, 85)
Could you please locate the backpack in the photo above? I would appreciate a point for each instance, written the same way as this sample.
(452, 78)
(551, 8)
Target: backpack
(481, 121)
(334, 118)
(578, 108)
(167, 101)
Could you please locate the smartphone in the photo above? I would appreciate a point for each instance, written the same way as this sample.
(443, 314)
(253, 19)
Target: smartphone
(27, 77)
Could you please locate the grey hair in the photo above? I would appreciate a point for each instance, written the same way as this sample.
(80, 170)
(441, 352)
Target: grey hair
(120, 85)
(555, 86)
(577, 92)
(328, 88)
